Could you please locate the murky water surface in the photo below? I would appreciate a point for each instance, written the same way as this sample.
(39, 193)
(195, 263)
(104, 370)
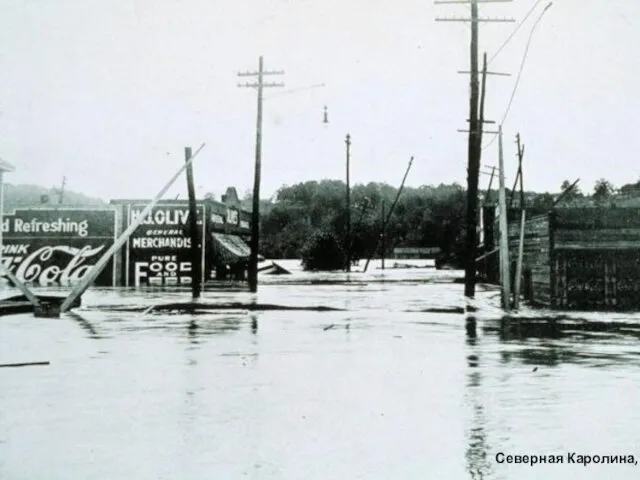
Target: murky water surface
(381, 390)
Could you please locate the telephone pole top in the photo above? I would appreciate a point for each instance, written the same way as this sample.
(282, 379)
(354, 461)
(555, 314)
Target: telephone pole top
(260, 85)
(476, 123)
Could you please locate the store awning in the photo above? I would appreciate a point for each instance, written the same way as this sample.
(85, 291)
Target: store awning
(230, 248)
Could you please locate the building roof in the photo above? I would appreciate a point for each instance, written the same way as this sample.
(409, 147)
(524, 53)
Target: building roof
(6, 166)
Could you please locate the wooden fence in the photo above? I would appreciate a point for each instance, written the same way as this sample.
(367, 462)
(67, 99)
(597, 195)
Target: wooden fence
(580, 258)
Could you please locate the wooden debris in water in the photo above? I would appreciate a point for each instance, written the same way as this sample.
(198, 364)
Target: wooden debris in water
(23, 364)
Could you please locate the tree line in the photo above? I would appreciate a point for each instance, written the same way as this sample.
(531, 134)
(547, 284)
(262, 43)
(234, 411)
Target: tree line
(425, 216)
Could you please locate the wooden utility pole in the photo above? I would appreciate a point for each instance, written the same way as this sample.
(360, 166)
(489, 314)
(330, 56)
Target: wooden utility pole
(347, 242)
(516, 287)
(474, 146)
(523, 219)
(505, 277)
(563, 194)
(518, 180)
(386, 220)
(472, 164)
(255, 214)
(383, 246)
(520, 157)
(61, 192)
(91, 275)
(488, 196)
(196, 264)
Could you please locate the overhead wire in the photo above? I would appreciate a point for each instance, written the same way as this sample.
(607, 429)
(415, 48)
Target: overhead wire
(518, 27)
(524, 58)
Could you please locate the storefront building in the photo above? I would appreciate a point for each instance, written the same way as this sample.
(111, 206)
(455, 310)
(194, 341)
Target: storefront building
(58, 246)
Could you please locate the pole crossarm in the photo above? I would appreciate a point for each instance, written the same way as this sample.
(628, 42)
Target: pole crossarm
(257, 74)
(454, 2)
(467, 72)
(490, 132)
(257, 85)
(479, 20)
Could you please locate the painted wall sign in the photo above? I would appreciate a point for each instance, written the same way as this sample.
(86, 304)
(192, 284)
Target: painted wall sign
(58, 246)
(232, 216)
(159, 250)
(216, 218)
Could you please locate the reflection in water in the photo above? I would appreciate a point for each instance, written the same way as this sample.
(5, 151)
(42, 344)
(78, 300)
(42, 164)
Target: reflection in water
(85, 324)
(254, 324)
(595, 349)
(478, 464)
(514, 328)
(542, 354)
(193, 331)
(470, 326)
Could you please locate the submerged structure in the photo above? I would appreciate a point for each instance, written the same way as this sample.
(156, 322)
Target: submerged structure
(574, 258)
(57, 246)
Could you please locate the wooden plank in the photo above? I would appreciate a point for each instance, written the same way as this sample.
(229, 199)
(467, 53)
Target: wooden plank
(597, 217)
(13, 308)
(587, 236)
(606, 245)
(24, 364)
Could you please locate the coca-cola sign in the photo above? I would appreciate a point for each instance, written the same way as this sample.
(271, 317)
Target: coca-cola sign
(58, 246)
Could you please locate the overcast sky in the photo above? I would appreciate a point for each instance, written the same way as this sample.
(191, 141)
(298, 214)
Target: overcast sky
(108, 92)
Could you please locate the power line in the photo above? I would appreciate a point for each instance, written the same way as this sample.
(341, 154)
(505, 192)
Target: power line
(294, 90)
(524, 58)
(522, 22)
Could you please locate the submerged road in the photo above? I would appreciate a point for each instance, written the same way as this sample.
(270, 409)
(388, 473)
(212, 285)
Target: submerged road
(378, 389)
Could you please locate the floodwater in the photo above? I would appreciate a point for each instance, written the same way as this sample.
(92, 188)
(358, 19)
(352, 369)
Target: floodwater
(380, 390)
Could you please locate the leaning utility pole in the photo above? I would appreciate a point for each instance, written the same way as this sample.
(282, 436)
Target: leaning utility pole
(347, 242)
(385, 221)
(475, 137)
(520, 157)
(255, 214)
(91, 274)
(518, 179)
(505, 276)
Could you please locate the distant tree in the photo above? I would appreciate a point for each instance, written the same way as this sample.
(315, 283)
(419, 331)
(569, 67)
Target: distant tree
(323, 251)
(603, 189)
(632, 189)
(210, 196)
(542, 203)
(22, 196)
(418, 220)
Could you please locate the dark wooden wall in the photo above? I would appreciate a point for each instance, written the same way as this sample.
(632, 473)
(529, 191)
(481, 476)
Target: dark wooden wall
(575, 258)
(536, 265)
(596, 258)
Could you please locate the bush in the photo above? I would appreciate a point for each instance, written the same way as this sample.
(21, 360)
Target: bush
(323, 251)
